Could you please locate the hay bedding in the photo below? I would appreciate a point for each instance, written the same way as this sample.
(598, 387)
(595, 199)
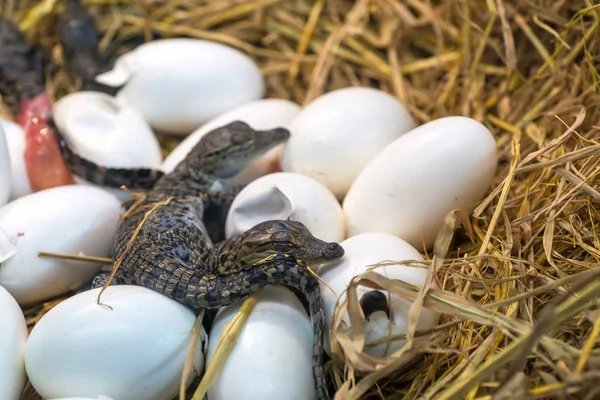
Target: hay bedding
(519, 277)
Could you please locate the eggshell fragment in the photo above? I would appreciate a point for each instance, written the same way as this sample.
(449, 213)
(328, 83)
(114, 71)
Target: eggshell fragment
(178, 84)
(361, 252)
(409, 188)
(67, 219)
(13, 337)
(15, 138)
(286, 195)
(260, 115)
(339, 133)
(272, 357)
(4, 169)
(135, 349)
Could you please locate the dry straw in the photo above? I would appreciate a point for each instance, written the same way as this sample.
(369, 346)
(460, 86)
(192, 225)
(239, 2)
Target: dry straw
(517, 280)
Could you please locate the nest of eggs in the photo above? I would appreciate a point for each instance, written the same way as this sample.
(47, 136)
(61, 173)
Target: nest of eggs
(517, 279)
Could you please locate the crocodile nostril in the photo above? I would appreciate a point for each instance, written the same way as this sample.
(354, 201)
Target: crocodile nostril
(374, 301)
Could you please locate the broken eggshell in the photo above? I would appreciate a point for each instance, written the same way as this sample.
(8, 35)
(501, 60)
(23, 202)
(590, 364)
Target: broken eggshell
(273, 353)
(13, 337)
(339, 133)
(131, 346)
(260, 115)
(286, 195)
(70, 219)
(362, 251)
(15, 138)
(180, 83)
(99, 129)
(410, 187)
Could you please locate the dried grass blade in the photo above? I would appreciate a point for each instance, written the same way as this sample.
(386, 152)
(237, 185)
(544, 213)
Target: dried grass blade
(189, 359)
(226, 344)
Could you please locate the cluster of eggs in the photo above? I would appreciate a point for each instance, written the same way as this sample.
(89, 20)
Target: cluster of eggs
(357, 170)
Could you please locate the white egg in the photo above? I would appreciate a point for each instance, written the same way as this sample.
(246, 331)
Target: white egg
(178, 84)
(133, 349)
(67, 219)
(13, 337)
(4, 169)
(336, 135)
(285, 195)
(272, 358)
(99, 129)
(409, 188)
(361, 252)
(261, 115)
(15, 137)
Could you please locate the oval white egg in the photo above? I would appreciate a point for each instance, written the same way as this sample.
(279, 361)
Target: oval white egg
(99, 129)
(15, 138)
(260, 114)
(67, 219)
(361, 252)
(285, 195)
(409, 188)
(178, 84)
(272, 357)
(12, 347)
(336, 135)
(4, 168)
(135, 349)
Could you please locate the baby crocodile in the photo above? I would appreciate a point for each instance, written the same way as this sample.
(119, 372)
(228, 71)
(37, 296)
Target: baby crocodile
(173, 255)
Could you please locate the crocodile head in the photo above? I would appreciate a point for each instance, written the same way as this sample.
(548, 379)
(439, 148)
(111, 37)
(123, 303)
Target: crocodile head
(270, 238)
(225, 151)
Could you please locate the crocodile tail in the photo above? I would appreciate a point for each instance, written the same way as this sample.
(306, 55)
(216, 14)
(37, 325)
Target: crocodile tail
(131, 178)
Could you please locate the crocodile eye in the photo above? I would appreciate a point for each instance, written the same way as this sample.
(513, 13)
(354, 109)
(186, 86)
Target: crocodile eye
(239, 138)
(281, 237)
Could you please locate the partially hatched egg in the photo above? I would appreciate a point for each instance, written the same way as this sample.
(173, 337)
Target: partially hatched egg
(286, 195)
(338, 134)
(410, 187)
(67, 220)
(388, 317)
(13, 336)
(98, 128)
(180, 83)
(131, 346)
(272, 357)
(260, 115)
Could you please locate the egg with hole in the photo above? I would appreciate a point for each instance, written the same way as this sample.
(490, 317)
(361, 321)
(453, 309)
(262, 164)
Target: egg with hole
(272, 357)
(4, 169)
(131, 346)
(339, 133)
(12, 347)
(15, 139)
(287, 196)
(409, 188)
(386, 314)
(70, 219)
(99, 129)
(260, 115)
(180, 83)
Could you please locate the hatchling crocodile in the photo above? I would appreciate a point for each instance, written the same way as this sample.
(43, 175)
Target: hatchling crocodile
(172, 252)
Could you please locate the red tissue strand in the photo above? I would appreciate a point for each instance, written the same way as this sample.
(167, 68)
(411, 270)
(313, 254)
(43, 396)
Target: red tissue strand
(43, 161)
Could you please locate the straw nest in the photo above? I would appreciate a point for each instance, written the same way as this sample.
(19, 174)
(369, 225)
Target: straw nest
(518, 277)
